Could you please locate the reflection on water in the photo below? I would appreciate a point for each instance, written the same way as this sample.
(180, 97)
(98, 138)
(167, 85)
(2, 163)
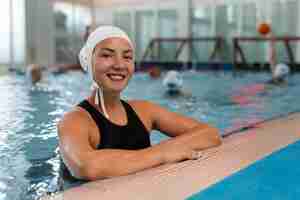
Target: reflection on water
(28, 136)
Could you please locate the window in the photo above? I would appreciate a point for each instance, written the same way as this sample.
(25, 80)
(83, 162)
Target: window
(12, 33)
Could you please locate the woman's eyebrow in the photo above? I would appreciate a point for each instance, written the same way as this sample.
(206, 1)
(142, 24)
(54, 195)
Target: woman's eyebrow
(112, 50)
(107, 49)
(128, 51)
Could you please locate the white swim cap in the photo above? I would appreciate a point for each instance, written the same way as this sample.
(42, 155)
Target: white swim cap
(100, 34)
(173, 81)
(86, 53)
(281, 70)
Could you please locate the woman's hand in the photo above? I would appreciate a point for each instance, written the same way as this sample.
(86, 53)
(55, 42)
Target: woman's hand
(171, 153)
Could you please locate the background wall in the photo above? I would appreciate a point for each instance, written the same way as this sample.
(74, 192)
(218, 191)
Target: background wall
(39, 32)
(52, 31)
(227, 18)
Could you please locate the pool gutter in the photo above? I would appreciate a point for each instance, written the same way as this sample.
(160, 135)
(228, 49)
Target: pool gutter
(181, 180)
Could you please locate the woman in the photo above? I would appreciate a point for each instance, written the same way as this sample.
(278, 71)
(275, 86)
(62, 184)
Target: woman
(105, 136)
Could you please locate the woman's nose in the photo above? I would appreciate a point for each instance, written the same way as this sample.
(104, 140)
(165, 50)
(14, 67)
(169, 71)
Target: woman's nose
(119, 62)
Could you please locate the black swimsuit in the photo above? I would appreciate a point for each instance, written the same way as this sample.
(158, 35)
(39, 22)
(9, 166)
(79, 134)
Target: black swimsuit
(132, 136)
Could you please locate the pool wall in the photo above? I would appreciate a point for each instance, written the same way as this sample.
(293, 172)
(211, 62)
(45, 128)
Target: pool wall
(182, 180)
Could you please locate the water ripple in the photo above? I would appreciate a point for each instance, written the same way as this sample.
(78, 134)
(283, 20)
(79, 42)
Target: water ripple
(29, 162)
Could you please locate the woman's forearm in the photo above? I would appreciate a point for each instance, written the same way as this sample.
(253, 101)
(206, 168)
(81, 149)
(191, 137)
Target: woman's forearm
(113, 162)
(198, 138)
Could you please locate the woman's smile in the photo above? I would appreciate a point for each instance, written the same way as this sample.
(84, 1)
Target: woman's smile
(116, 76)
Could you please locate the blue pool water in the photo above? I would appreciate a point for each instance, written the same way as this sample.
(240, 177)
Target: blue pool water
(274, 177)
(28, 137)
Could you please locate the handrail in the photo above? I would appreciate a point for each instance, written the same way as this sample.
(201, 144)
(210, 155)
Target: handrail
(156, 43)
(238, 51)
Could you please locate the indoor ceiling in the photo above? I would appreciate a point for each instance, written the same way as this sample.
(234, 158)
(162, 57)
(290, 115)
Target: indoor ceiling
(104, 3)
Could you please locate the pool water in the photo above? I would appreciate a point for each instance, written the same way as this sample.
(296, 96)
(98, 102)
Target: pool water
(28, 137)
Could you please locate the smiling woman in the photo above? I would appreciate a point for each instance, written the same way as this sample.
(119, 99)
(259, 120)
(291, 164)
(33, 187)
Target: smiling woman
(105, 136)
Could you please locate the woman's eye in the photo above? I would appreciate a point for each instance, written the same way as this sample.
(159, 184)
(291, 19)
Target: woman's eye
(128, 57)
(105, 55)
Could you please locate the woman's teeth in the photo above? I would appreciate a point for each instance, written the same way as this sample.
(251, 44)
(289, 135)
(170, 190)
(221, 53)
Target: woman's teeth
(116, 77)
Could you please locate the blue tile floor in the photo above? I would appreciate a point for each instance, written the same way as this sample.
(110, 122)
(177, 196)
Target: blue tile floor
(275, 177)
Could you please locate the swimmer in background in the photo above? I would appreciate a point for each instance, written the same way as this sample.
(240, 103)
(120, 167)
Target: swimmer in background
(34, 73)
(279, 71)
(173, 84)
(280, 74)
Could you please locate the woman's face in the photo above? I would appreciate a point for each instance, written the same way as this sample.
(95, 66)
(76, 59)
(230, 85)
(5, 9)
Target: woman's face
(113, 64)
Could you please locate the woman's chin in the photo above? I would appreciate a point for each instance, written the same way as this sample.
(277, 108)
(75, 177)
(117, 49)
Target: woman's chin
(116, 90)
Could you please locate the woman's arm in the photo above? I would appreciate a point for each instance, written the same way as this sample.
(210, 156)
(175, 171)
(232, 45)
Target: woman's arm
(186, 131)
(86, 162)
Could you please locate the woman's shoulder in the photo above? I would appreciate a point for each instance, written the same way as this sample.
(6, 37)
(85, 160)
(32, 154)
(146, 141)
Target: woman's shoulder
(146, 108)
(74, 118)
(142, 104)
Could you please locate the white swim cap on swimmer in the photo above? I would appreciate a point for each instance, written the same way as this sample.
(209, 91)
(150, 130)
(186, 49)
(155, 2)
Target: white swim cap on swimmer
(173, 81)
(281, 70)
(86, 53)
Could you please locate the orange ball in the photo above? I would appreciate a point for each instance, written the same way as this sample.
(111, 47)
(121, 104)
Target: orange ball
(264, 28)
(154, 72)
